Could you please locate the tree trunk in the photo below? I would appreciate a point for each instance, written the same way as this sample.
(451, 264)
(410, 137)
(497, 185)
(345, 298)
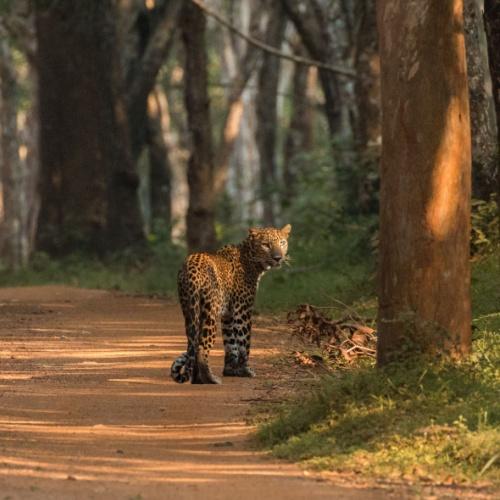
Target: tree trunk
(424, 270)
(367, 83)
(89, 184)
(266, 109)
(14, 244)
(359, 178)
(492, 24)
(158, 159)
(299, 137)
(153, 35)
(200, 217)
(482, 106)
(312, 24)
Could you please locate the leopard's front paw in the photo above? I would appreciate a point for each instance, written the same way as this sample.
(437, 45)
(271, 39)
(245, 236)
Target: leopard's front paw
(240, 371)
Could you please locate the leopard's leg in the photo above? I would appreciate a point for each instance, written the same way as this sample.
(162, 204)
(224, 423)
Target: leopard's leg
(236, 335)
(231, 351)
(182, 368)
(208, 327)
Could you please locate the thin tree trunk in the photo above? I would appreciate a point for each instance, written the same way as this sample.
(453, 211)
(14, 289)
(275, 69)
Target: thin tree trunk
(245, 62)
(155, 30)
(424, 296)
(367, 84)
(159, 159)
(266, 108)
(312, 25)
(299, 139)
(201, 211)
(482, 106)
(176, 138)
(492, 24)
(15, 242)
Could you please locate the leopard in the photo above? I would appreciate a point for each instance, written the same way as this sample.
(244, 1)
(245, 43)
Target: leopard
(219, 289)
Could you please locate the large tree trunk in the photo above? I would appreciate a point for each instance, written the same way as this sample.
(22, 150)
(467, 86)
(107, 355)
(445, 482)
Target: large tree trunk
(482, 106)
(492, 23)
(89, 184)
(200, 217)
(266, 108)
(424, 297)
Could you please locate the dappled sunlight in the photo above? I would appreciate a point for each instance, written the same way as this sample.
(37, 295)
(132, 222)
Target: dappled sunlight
(443, 206)
(102, 386)
(87, 398)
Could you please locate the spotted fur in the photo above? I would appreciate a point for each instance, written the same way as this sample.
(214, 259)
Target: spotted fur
(220, 288)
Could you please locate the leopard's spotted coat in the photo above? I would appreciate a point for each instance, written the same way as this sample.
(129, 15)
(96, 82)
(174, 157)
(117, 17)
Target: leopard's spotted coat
(221, 287)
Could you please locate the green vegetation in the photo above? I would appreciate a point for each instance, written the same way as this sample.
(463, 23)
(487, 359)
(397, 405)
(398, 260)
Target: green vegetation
(320, 270)
(417, 419)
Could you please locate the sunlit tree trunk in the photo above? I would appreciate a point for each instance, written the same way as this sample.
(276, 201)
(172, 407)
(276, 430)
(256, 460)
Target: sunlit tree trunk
(266, 109)
(482, 106)
(89, 184)
(200, 217)
(424, 270)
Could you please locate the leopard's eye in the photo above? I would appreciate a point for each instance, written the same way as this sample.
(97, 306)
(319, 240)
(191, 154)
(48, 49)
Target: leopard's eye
(266, 246)
(283, 243)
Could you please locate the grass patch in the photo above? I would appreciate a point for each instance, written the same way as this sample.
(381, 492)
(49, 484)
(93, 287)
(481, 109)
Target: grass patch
(420, 419)
(429, 422)
(152, 272)
(318, 273)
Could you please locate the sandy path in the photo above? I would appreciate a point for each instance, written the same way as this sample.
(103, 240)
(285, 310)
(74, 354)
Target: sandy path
(88, 409)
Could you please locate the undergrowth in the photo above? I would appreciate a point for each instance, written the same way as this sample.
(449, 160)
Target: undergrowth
(422, 419)
(320, 269)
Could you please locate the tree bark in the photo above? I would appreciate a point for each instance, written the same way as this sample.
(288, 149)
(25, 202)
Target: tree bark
(482, 106)
(89, 184)
(201, 211)
(154, 29)
(266, 109)
(367, 84)
(159, 160)
(424, 270)
(299, 137)
(311, 23)
(492, 24)
(14, 244)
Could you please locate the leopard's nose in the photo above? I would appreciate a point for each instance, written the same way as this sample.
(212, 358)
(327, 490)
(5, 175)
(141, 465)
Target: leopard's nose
(277, 257)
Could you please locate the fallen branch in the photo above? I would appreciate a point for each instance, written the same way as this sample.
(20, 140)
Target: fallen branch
(342, 340)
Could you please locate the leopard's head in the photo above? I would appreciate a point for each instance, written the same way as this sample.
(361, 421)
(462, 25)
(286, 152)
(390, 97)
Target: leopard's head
(269, 245)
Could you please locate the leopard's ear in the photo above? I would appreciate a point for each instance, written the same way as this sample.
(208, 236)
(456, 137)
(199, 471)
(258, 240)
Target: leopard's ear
(285, 230)
(253, 231)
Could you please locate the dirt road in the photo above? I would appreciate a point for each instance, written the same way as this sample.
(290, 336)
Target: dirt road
(88, 409)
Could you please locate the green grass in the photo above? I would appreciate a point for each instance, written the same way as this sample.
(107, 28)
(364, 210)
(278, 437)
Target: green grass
(422, 419)
(152, 273)
(318, 273)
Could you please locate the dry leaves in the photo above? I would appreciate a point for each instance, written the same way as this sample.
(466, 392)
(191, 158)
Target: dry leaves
(342, 340)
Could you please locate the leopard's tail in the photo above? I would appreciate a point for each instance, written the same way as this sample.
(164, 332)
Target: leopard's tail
(180, 370)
